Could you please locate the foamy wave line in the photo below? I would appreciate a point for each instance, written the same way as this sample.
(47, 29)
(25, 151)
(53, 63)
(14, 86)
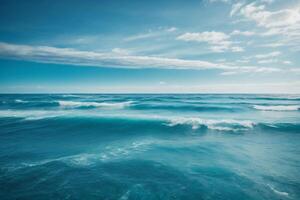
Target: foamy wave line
(20, 101)
(194, 122)
(220, 125)
(278, 192)
(108, 154)
(31, 114)
(116, 105)
(277, 108)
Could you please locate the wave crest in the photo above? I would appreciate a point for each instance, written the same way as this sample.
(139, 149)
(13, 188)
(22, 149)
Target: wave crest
(116, 105)
(220, 125)
(277, 108)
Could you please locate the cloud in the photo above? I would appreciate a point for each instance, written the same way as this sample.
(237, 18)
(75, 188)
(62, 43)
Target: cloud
(235, 8)
(287, 62)
(70, 56)
(160, 31)
(264, 18)
(283, 22)
(223, 1)
(268, 55)
(267, 58)
(141, 36)
(273, 44)
(172, 29)
(116, 58)
(252, 69)
(243, 61)
(120, 51)
(243, 33)
(267, 61)
(219, 41)
(210, 37)
(267, 1)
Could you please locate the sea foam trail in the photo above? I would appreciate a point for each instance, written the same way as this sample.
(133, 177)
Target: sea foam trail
(20, 101)
(116, 105)
(109, 153)
(277, 108)
(278, 192)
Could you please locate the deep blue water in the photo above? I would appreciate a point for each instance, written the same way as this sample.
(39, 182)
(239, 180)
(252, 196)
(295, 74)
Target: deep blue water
(122, 147)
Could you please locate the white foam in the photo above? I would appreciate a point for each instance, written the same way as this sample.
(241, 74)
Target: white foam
(195, 122)
(20, 101)
(278, 192)
(116, 105)
(125, 196)
(31, 114)
(221, 125)
(277, 108)
(107, 154)
(70, 95)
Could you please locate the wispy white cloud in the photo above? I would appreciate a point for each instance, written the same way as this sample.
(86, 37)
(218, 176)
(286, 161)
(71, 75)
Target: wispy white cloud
(243, 33)
(223, 1)
(268, 55)
(212, 37)
(267, 58)
(287, 62)
(120, 51)
(252, 69)
(115, 59)
(219, 41)
(172, 29)
(273, 44)
(160, 31)
(141, 36)
(235, 8)
(266, 1)
(267, 61)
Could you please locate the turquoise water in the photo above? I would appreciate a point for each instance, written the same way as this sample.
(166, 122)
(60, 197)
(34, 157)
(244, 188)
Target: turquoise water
(72, 146)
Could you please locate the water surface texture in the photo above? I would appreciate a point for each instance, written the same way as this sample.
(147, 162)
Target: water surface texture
(72, 146)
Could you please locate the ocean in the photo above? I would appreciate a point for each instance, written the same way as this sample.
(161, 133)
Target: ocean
(149, 146)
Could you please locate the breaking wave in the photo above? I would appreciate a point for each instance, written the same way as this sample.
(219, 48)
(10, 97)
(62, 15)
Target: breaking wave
(277, 107)
(115, 105)
(220, 125)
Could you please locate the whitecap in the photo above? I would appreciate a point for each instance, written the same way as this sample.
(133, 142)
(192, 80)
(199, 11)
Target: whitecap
(115, 105)
(277, 107)
(20, 101)
(278, 192)
(30, 114)
(220, 125)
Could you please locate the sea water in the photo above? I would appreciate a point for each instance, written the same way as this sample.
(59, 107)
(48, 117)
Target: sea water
(122, 146)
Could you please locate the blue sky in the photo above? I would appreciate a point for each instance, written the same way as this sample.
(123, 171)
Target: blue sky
(166, 46)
